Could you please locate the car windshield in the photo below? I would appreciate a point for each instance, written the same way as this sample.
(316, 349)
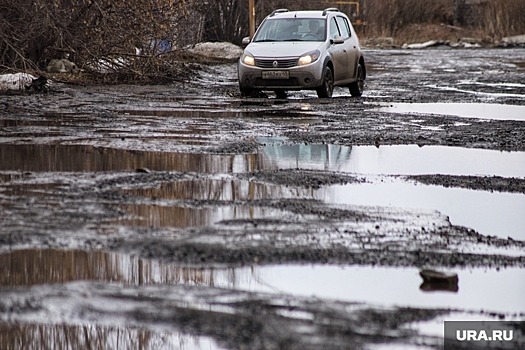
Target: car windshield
(291, 29)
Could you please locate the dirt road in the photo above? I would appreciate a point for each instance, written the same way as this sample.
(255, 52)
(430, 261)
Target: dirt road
(187, 217)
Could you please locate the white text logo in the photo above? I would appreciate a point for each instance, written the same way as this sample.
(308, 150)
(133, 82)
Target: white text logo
(494, 335)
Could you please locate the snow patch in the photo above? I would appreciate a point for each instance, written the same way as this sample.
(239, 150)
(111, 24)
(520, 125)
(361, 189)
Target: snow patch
(15, 81)
(221, 50)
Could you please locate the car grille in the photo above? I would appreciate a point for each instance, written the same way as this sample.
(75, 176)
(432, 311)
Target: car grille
(292, 82)
(269, 63)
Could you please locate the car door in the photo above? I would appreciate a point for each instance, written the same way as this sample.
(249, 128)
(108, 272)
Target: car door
(350, 47)
(337, 51)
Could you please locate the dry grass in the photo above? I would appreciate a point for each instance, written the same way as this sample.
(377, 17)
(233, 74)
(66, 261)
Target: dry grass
(492, 19)
(501, 18)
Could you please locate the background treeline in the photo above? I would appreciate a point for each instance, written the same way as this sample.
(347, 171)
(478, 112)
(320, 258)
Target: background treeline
(494, 19)
(146, 36)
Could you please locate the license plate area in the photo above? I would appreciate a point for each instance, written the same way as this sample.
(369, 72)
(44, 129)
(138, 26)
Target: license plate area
(275, 74)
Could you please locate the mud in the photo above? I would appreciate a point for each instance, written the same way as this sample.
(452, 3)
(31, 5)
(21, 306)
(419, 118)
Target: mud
(185, 216)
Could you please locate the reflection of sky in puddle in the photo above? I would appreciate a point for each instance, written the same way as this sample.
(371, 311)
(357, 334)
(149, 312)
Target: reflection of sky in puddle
(390, 286)
(399, 160)
(467, 110)
(487, 212)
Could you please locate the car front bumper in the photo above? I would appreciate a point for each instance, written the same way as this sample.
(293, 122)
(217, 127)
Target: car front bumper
(299, 77)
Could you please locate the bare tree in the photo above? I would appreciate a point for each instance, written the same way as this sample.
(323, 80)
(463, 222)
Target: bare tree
(35, 31)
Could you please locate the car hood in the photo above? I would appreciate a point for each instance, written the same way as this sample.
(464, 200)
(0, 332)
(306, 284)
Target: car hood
(282, 48)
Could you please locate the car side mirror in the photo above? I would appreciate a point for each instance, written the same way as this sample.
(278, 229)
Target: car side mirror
(246, 40)
(338, 39)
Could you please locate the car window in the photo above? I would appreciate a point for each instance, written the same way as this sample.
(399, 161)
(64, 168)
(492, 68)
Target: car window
(343, 27)
(334, 30)
(291, 29)
(313, 26)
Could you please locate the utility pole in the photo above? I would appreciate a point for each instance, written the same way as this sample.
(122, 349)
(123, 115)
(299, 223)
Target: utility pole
(251, 15)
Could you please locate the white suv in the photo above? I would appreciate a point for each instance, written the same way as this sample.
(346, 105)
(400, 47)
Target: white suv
(302, 50)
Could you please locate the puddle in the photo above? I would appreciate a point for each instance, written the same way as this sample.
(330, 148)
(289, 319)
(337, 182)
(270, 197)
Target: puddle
(155, 216)
(489, 213)
(67, 336)
(167, 211)
(368, 284)
(23, 268)
(475, 289)
(465, 110)
(508, 86)
(398, 160)
(86, 158)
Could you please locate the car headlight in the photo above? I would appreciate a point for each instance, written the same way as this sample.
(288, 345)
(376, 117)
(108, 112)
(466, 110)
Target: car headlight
(309, 57)
(248, 59)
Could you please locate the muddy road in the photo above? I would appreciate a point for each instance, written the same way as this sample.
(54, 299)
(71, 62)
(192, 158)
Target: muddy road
(187, 217)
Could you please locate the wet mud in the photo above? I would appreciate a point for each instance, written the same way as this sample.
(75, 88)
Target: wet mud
(185, 216)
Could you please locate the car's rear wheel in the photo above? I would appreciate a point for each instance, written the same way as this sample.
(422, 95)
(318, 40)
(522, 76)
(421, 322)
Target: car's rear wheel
(357, 87)
(327, 88)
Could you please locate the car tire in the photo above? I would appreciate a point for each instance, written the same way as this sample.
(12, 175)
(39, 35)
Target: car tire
(357, 87)
(327, 88)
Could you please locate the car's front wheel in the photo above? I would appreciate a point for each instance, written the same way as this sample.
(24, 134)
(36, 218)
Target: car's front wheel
(327, 88)
(358, 86)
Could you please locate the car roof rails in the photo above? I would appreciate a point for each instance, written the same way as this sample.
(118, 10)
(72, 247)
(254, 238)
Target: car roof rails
(330, 9)
(278, 11)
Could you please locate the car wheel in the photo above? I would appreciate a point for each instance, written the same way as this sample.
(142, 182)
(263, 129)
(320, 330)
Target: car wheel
(357, 87)
(327, 88)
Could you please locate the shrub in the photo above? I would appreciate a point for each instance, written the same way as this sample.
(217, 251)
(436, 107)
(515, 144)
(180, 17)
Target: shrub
(35, 31)
(502, 18)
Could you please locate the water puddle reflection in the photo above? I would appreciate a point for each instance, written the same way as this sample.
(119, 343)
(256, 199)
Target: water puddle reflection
(369, 285)
(465, 110)
(86, 158)
(346, 283)
(33, 267)
(398, 160)
(167, 212)
(492, 213)
(489, 213)
(32, 336)
(156, 216)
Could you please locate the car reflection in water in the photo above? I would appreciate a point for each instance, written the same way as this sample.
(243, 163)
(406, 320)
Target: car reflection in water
(312, 157)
